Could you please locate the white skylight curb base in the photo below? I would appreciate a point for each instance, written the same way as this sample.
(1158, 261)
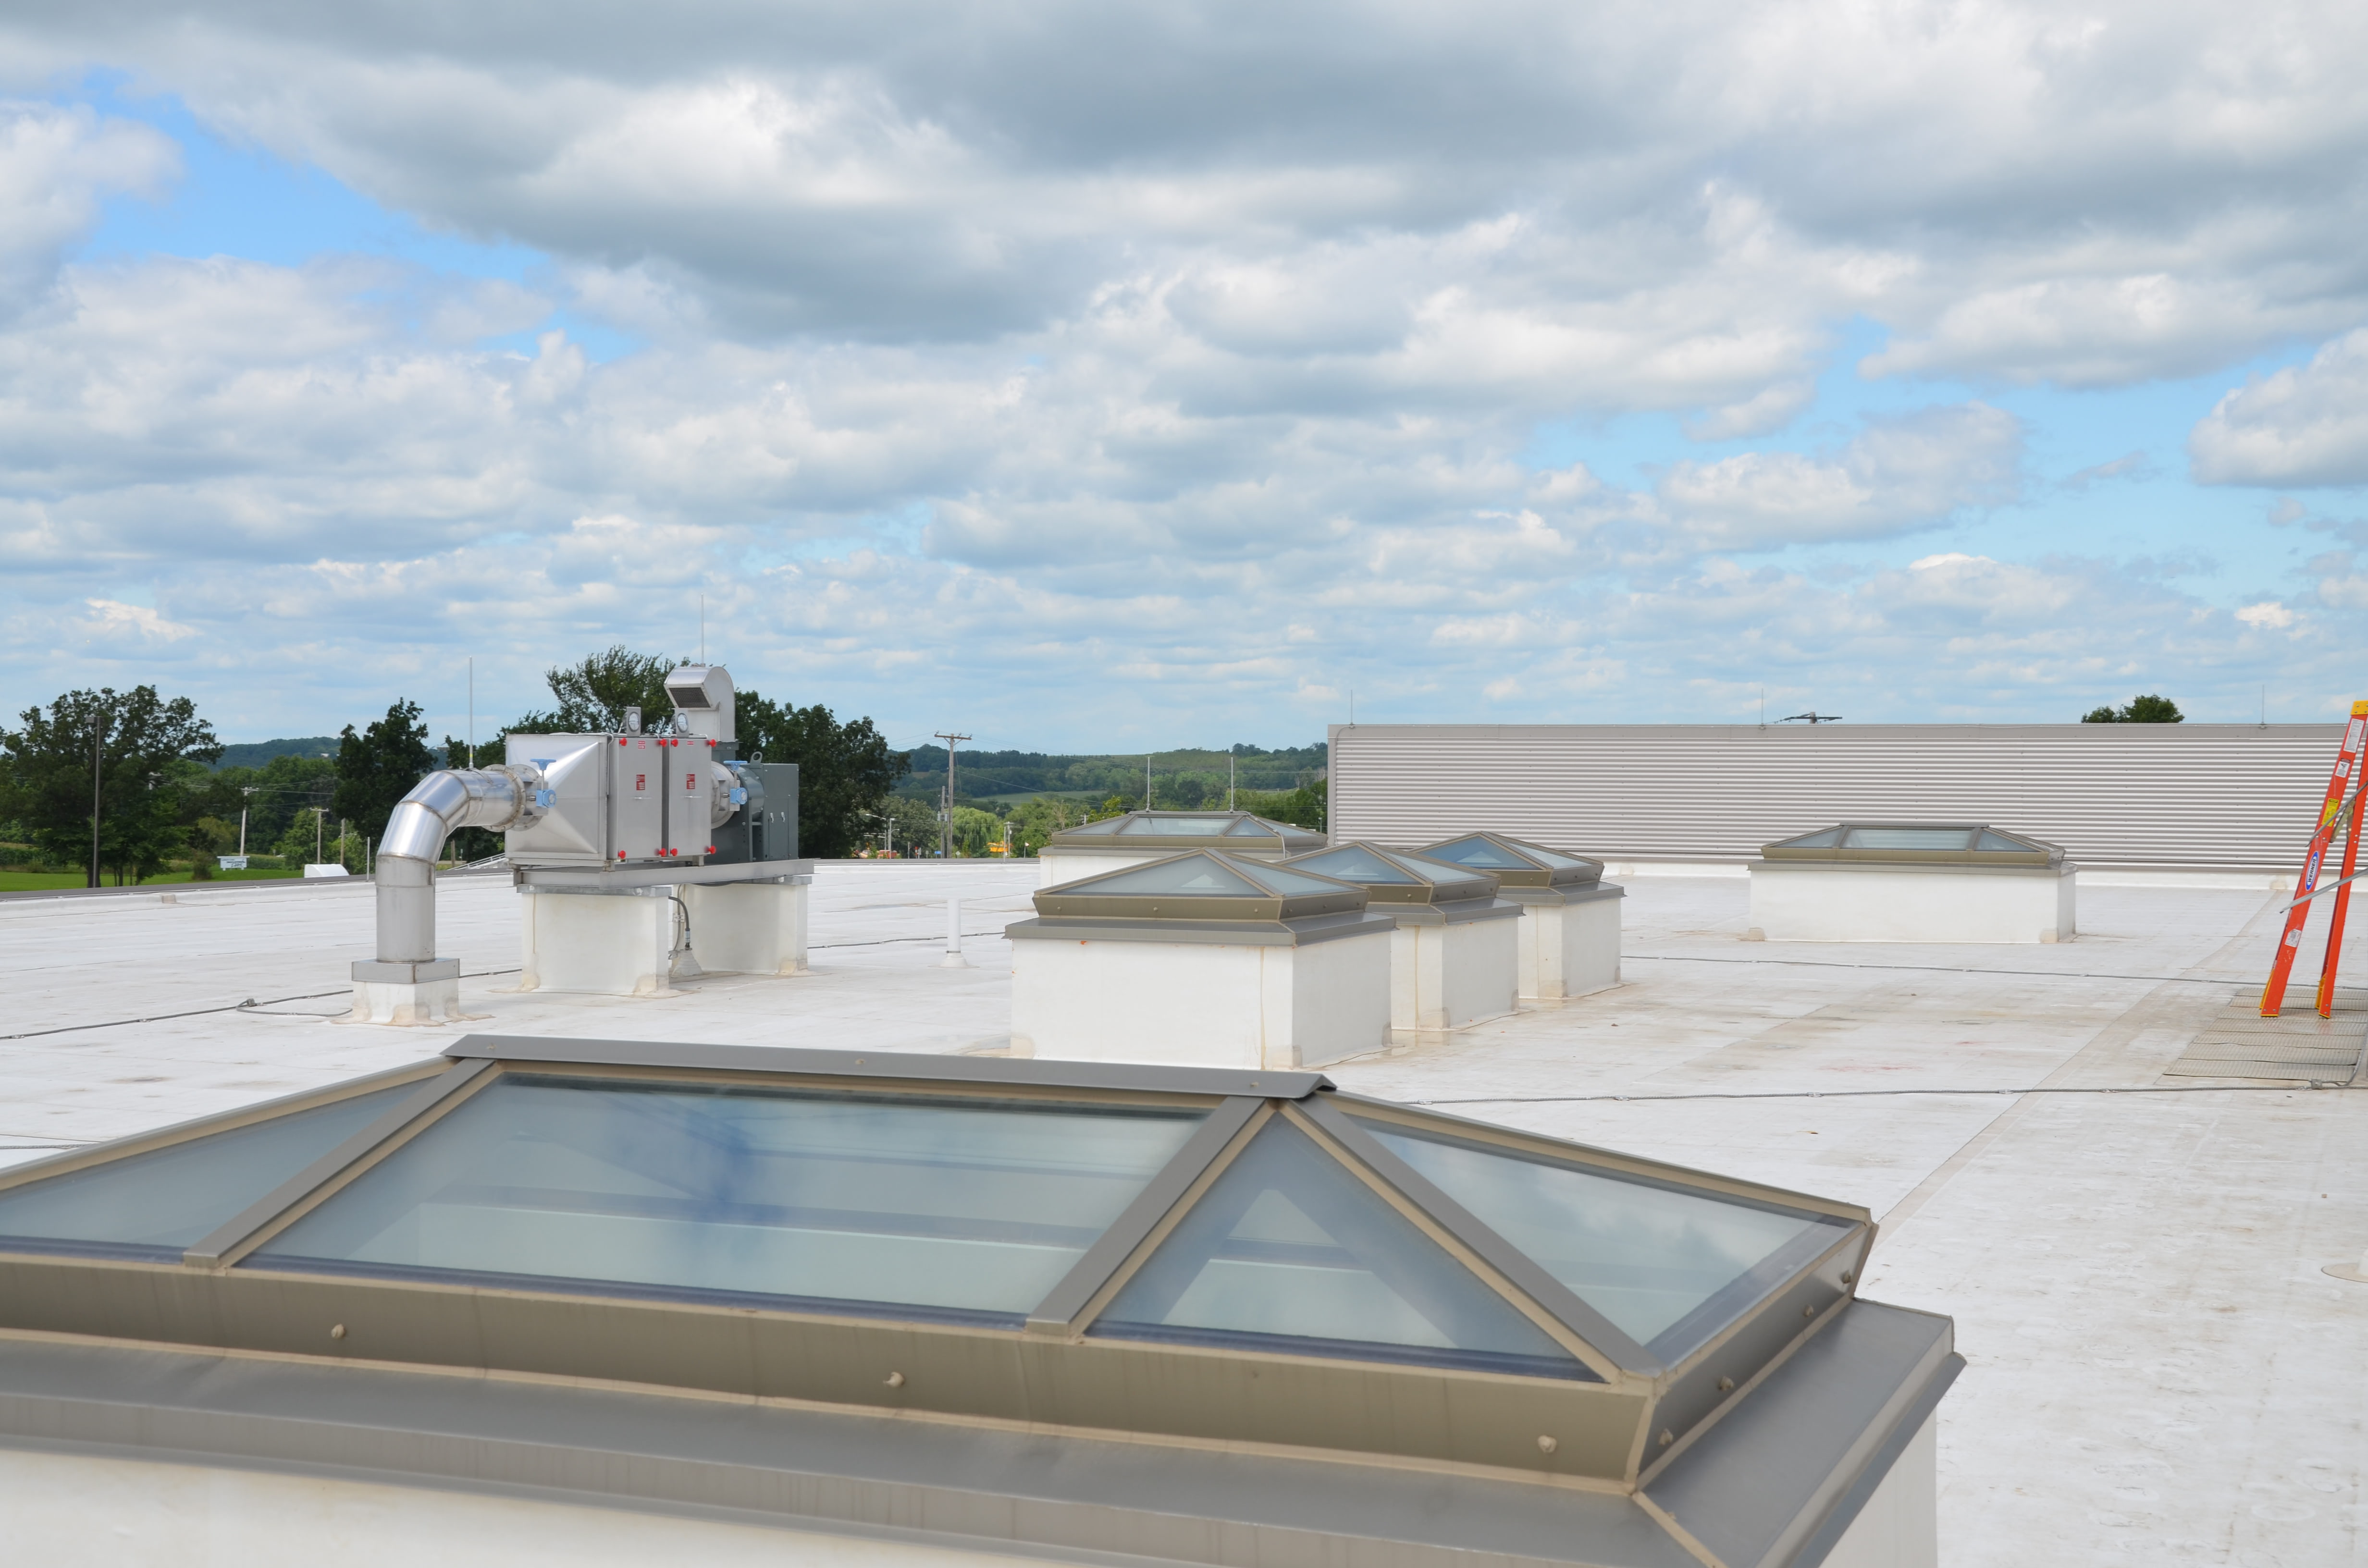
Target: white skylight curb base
(1450, 976)
(1569, 941)
(1814, 902)
(1201, 1003)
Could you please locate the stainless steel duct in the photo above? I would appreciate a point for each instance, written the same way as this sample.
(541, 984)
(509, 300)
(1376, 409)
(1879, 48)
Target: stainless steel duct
(499, 798)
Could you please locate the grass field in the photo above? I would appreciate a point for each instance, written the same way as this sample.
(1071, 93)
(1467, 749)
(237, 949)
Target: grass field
(42, 882)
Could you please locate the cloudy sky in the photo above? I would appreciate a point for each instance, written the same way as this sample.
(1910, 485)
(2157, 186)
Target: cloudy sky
(1087, 375)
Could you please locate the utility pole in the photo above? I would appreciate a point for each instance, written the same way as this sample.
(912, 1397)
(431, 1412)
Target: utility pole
(1229, 781)
(1146, 781)
(946, 817)
(98, 730)
(247, 799)
(320, 815)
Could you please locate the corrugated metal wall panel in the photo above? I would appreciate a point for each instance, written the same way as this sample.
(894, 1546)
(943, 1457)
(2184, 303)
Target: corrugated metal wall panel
(2233, 795)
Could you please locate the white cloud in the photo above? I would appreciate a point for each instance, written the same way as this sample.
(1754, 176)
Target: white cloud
(985, 354)
(1898, 474)
(2267, 615)
(56, 166)
(109, 620)
(2305, 425)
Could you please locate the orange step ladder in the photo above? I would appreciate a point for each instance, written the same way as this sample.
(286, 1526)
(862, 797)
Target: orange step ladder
(2332, 813)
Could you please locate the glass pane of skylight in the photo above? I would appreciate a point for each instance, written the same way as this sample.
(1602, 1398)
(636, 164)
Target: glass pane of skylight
(1561, 861)
(1248, 827)
(1354, 863)
(1288, 1251)
(1648, 1258)
(1479, 852)
(1178, 827)
(957, 1207)
(2001, 841)
(1908, 838)
(1197, 875)
(1292, 883)
(167, 1200)
(1830, 839)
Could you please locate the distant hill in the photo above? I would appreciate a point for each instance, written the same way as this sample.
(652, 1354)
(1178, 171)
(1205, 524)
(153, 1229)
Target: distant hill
(1179, 778)
(255, 754)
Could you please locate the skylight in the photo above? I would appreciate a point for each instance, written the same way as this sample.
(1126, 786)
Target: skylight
(970, 1206)
(1653, 1258)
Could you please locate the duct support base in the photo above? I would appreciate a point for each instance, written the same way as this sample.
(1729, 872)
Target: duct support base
(748, 928)
(627, 942)
(618, 944)
(407, 996)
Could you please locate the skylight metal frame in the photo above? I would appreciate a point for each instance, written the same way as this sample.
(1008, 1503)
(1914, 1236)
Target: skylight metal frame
(1049, 1373)
(1277, 837)
(1438, 884)
(2037, 853)
(1536, 875)
(1084, 898)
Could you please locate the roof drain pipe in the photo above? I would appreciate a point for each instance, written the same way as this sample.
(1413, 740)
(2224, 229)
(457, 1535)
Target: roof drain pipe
(503, 799)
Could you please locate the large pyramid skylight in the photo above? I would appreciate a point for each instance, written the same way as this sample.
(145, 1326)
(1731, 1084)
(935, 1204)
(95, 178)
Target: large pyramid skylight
(1203, 1255)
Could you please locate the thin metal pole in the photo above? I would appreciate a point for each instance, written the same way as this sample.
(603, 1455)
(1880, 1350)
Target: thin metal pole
(473, 710)
(96, 731)
(946, 820)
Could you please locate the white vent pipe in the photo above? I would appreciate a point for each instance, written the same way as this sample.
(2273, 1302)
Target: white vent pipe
(439, 806)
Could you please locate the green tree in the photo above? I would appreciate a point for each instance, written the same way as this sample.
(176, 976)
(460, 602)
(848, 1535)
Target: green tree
(377, 767)
(147, 754)
(1302, 807)
(1043, 817)
(2138, 711)
(594, 693)
(915, 822)
(974, 830)
(273, 796)
(846, 772)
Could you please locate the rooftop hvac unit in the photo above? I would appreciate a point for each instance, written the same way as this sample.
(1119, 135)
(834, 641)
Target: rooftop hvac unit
(663, 819)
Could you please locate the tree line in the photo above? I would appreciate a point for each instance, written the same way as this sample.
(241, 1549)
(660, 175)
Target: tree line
(121, 784)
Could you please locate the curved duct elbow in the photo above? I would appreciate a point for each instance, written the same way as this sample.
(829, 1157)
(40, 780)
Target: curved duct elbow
(497, 798)
(442, 803)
